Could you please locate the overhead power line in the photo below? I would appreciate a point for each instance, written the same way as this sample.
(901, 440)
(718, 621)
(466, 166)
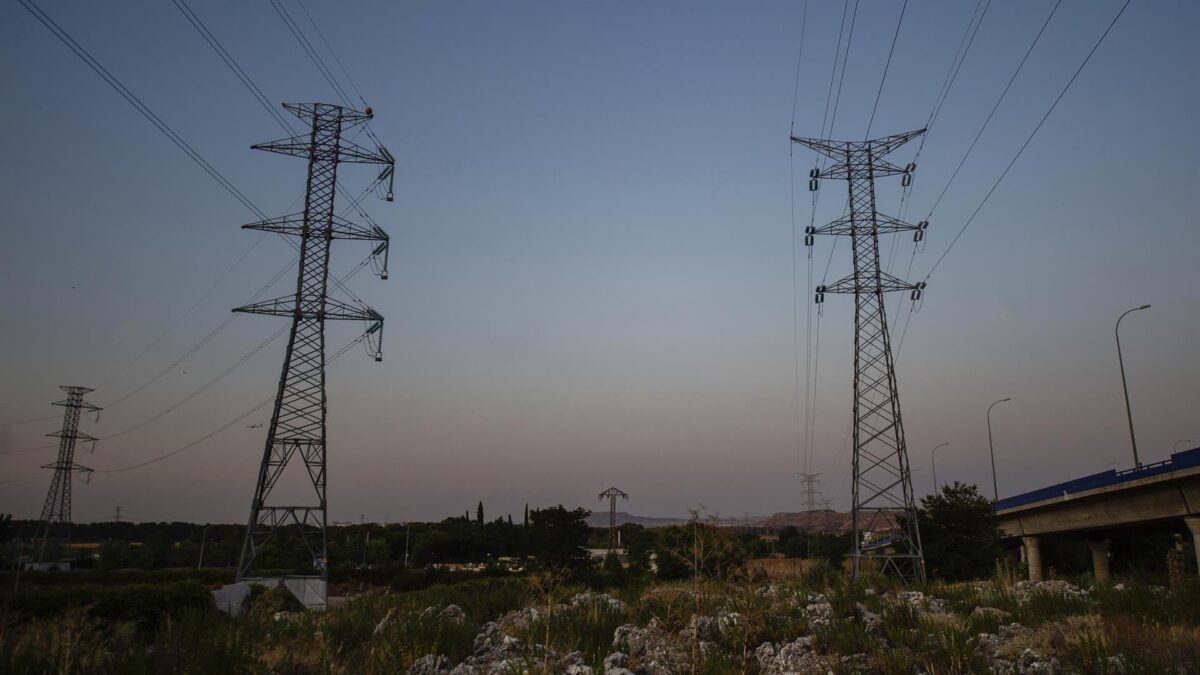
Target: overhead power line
(137, 104)
(255, 408)
(1033, 133)
(886, 66)
(995, 107)
(234, 67)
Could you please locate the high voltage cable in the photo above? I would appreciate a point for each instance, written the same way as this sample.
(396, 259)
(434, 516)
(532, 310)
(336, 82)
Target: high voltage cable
(995, 107)
(310, 51)
(258, 406)
(29, 421)
(331, 52)
(1019, 152)
(795, 291)
(1033, 133)
(233, 65)
(960, 56)
(886, 66)
(353, 85)
(956, 63)
(315, 56)
(203, 388)
(137, 103)
(162, 126)
(810, 404)
(175, 324)
(350, 274)
(146, 112)
(203, 341)
(187, 446)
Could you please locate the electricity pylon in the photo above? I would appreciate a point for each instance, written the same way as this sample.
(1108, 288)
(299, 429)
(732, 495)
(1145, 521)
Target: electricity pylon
(611, 495)
(57, 509)
(298, 419)
(810, 490)
(882, 487)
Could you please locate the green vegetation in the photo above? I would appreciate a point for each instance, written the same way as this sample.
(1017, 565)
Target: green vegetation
(959, 533)
(711, 626)
(683, 599)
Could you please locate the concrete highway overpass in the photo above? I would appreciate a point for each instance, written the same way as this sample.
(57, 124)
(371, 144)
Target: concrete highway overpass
(1100, 505)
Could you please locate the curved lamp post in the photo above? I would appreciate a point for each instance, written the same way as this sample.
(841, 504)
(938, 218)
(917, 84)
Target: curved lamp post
(991, 450)
(933, 461)
(1128, 413)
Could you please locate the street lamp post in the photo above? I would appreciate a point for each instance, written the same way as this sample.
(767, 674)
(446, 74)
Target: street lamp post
(933, 463)
(1128, 413)
(992, 450)
(203, 539)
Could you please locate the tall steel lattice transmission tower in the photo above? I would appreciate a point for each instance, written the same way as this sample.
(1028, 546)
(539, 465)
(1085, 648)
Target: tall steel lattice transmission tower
(297, 430)
(57, 509)
(611, 494)
(882, 486)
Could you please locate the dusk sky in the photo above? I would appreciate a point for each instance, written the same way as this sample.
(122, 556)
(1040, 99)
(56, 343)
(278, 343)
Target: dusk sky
(591, 274)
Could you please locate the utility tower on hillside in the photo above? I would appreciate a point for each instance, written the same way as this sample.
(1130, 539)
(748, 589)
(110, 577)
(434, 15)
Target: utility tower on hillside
(297, 430)
(882, 483)
(56, 512)
(611, 494)
(810, 492)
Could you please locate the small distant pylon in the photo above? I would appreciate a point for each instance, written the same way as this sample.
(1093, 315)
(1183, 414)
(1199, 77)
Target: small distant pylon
(57, 509)
(810, 490)
(611, 495)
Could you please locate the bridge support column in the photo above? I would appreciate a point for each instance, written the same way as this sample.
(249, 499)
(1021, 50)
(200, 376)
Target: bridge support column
(1193, 525)
(1033, 557)
(1100, 566)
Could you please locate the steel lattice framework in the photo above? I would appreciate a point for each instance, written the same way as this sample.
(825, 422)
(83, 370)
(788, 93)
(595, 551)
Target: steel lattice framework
(882, 485)
(611, 494)
(57, 509)
(297, 427)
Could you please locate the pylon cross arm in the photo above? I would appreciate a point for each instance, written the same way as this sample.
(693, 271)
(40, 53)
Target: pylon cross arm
(335, 310)
(347, 152)
(887, 283)
(879, 169)
(339, 228)
(848, 226)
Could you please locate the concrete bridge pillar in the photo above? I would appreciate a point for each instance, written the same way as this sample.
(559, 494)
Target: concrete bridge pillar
(1100, 566)
(1193, 525)
(1033, 556)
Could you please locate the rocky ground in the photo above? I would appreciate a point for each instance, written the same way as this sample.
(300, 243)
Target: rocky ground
(975, 629)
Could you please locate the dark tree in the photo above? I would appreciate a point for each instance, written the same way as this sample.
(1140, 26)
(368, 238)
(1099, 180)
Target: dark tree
(479, 513)
(959, 533)
(557, 535)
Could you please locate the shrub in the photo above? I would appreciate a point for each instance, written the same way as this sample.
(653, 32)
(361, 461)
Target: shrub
(145, 605)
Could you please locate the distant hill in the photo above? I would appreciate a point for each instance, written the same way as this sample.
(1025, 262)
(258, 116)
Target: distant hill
(815, 521)
(825, 521)
(600, 519)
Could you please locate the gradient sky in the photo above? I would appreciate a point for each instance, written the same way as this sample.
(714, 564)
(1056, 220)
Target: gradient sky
(591, 277)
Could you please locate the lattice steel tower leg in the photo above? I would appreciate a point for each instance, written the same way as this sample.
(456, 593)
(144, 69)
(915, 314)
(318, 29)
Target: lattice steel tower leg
(882, 487)
(611, 494)
(298, 419)
(57, 509)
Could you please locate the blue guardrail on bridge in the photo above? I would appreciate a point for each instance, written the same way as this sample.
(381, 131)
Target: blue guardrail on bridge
(1179, 460)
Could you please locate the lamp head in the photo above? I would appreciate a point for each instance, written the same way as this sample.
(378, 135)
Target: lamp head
(1144, 307)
